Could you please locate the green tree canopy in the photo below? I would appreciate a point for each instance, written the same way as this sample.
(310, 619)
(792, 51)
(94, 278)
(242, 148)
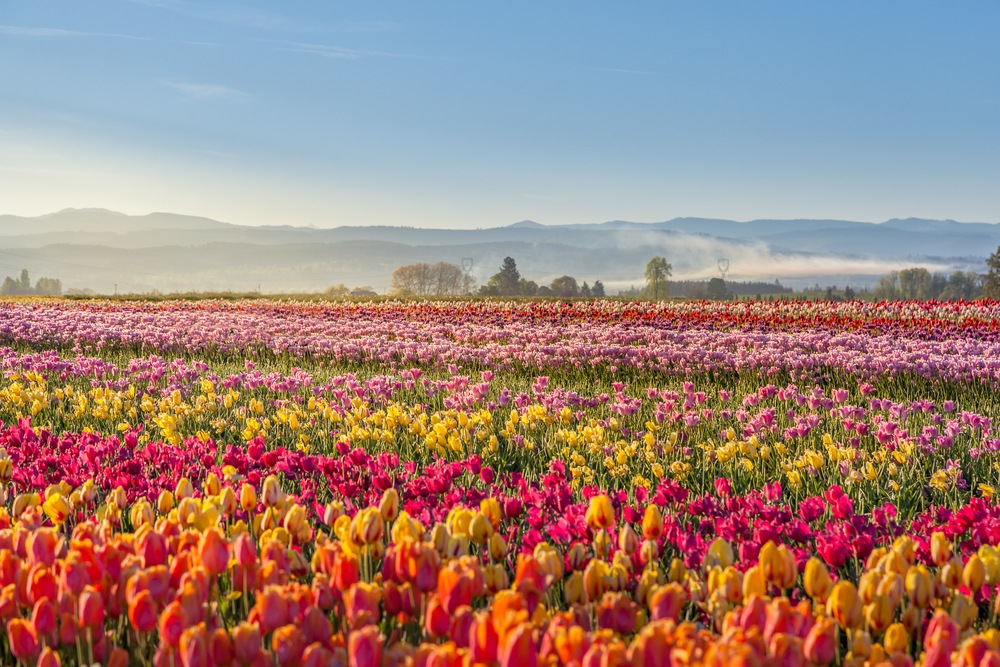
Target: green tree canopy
(657, 271)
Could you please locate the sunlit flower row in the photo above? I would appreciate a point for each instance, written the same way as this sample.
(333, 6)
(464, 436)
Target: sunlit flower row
(236, 573)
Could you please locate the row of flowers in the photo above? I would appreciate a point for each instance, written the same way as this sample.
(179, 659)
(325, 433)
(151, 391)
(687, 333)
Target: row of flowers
(912, 452)
(955, 342)
(230, 572)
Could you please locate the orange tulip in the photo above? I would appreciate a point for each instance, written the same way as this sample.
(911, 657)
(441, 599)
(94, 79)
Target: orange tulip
(361, 603)
(519, 649)
(193, 646)
(270, 611)
(213, 552)
(22, 640)
(287, 644)
(246, 642)
(151, 547)
(667, 601)
(437, 622)
(48, 658)
(317, 655)
(172, 624)
(483, 639)
(789, 650)
(316, 626)
(364, 647)
(44, 620)
(821, 642)
(455, 588)
(941, 631)
(142, 612)
(91, 608)
(42, 546)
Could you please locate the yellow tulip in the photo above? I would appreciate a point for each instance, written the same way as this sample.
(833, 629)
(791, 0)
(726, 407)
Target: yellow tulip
(600, 515)
(844, 605)
(816, 578)
(652, 523)
(940, 549)
(720, 553)
(974, 573)
(56, 508)
(919, 587)
(897, 639)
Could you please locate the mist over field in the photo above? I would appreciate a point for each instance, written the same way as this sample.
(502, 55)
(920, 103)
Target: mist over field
(106, 251)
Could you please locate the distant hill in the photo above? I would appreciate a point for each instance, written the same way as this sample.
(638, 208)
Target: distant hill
(100, 249)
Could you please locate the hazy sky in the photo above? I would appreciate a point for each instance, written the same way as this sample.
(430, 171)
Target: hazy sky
(476, 114)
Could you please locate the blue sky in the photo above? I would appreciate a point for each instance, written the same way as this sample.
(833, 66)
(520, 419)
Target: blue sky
(479, 114)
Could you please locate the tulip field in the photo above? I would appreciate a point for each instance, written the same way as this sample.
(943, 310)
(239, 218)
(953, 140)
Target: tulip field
(481, 483)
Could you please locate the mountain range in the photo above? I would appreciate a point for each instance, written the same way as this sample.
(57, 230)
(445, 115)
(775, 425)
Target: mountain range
(105, 250)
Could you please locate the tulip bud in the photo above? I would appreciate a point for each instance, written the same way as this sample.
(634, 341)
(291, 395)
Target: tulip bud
(667, 601)
(897, 639)
(227, 501)
(991, 561)
(57, 508)
(389, 506)
(490, 508)
(628, 542)
(271, 493)
(213, 552)
(649, 552)
(974, 573)
(600, 515)
(246, 642)
(184, 489)
(91, 608)
(719, 554)
(440, 537)
(778, 565)
(817, 580)
(498, 547)
(141, 514)
(821, 642)
(918, 586)
(573, 590)
(596, 579)
(754, 583)
(165, 502)
(880, 614)
(964, 611)
(480, 529)
(677, 572)
(844, 605)
(367, 526)
(652, 523)
(940, 549)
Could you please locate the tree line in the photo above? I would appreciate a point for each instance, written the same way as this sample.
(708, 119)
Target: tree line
(509, 282)
(21, 286)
